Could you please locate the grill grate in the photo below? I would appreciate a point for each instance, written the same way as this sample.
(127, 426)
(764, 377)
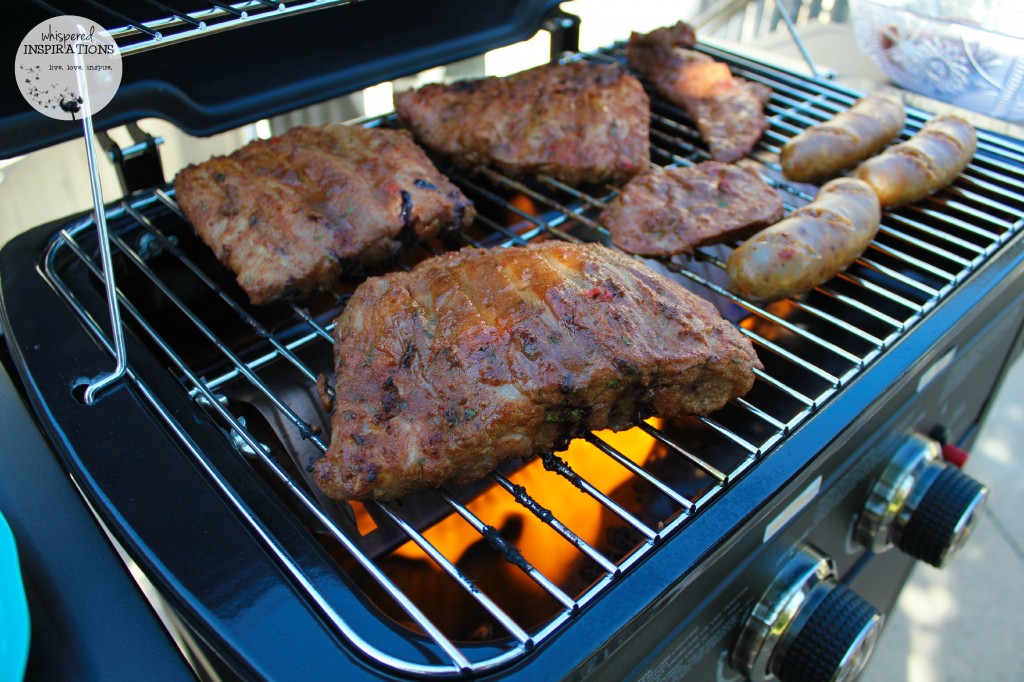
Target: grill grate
(254, 373)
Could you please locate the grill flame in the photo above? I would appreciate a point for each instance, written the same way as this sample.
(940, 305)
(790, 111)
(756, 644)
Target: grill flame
(548, 551)
(539, 544)
(764, 327)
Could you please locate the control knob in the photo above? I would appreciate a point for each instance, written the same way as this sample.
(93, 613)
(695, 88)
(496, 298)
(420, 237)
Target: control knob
(806, 627)
(921, 504)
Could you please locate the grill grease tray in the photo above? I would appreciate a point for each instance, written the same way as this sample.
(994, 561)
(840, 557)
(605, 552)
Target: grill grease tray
(253, 372)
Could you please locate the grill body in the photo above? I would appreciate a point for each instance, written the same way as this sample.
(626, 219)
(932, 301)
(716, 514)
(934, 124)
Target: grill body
(243, 558)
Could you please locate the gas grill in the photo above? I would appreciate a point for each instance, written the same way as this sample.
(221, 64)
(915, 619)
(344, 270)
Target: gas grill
(675, 550)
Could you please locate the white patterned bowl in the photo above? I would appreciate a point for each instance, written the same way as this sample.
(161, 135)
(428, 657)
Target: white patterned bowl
(966, 52)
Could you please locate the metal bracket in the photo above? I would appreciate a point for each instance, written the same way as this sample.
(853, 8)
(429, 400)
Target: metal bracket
(138, 166)
(565, 32)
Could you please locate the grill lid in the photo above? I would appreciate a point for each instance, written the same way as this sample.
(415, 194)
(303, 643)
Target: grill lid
(286, 56)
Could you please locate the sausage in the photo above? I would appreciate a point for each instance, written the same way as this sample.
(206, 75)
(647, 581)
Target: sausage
(821, 152)
(809, 247)
(924, 164)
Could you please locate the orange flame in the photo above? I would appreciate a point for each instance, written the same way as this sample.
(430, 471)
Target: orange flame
(767, 329)
(546, 549)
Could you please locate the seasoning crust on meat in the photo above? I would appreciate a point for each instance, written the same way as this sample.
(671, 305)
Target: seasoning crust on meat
(479, 356)
(728, 111)
(578, 122)
(666, 212)
(291, 214)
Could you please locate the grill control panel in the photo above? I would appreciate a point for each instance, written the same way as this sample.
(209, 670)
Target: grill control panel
(806, 626)
(921, 504)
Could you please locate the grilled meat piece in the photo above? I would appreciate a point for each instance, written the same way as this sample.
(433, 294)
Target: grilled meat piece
(728, 111)
(479, 356)
(291, 214)
(665, 212)
(930, 160)
(811, 246)
(647, 52)
(579, 122)
(822, 151)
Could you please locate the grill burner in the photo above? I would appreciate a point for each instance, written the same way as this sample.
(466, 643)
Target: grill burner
(253, 372)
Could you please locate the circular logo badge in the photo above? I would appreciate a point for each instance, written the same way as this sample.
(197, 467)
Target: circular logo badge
(68, 66)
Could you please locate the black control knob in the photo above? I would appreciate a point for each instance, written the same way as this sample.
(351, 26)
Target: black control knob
(835, 642)
(806, 627)
(940, 523)
(921, 504)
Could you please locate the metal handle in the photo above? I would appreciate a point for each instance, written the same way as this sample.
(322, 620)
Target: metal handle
(718, 12)
(100, 217)
(784, 13)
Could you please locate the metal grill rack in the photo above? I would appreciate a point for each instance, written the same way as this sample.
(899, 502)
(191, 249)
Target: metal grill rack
(233, 355)
(185, 20)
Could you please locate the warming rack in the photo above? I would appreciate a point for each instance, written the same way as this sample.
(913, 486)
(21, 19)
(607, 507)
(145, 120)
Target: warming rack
(812, 346)
(175, 25)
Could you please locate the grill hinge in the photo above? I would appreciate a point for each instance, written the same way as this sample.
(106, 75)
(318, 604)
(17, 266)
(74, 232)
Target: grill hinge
(565, 32)
(138, 166)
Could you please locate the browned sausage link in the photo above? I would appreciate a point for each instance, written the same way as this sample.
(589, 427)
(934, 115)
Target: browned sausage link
(925, 163)
(821, 152)
(809, 247)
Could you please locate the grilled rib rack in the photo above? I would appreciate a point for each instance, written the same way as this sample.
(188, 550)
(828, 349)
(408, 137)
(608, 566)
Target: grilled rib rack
(252, 374)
